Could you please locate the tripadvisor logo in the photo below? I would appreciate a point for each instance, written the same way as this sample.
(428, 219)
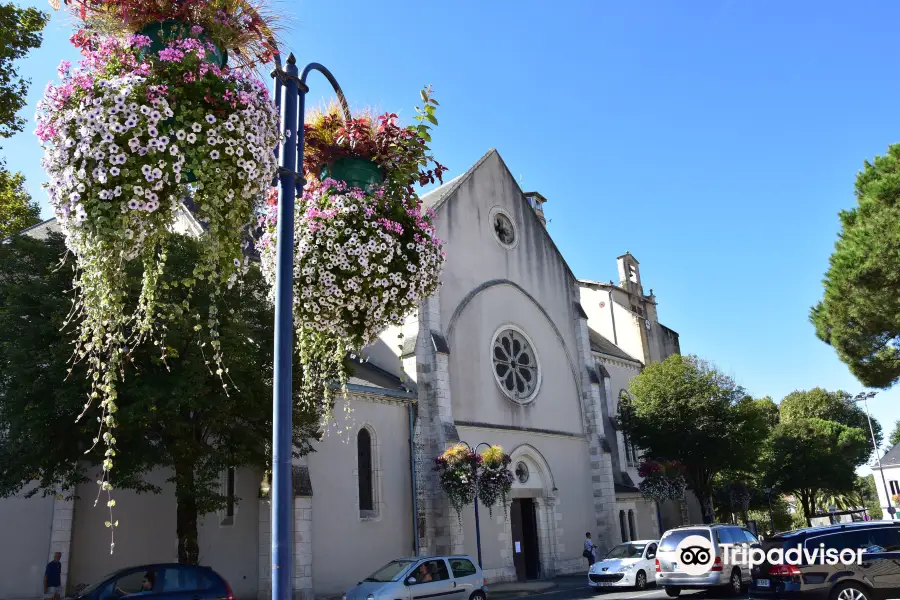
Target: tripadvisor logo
(695, 556)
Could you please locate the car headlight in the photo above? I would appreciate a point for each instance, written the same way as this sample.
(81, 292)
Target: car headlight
(626, 568)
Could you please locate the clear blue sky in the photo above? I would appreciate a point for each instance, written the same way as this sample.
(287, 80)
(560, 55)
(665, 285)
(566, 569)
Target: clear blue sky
(715, 140)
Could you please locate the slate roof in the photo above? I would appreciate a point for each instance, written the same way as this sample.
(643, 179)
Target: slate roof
(366, 374)
(891, 458)
(604, 346)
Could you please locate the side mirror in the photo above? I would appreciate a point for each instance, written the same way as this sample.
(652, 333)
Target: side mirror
(411, 581)
(651, 555)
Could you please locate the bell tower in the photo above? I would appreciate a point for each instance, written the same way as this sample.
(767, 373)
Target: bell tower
(630, 274)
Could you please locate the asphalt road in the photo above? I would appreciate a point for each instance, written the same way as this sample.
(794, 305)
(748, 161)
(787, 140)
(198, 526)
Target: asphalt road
(573, 590)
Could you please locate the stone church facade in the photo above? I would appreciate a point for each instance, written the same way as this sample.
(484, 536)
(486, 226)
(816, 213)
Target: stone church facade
(513, 350)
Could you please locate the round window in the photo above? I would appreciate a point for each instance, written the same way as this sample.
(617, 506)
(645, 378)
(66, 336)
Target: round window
(515, 364)
(522, 472)
(503, 228)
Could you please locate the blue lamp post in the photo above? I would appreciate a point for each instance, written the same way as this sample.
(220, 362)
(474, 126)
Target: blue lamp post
(290, 97)
(477, 519)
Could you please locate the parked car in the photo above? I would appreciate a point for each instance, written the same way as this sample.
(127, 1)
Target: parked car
(169, 581)
(631, 564)
(732, 579)
(444, 577)
(876, 578)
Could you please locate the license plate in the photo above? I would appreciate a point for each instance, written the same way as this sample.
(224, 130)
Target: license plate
(605, 584)
(763, 583)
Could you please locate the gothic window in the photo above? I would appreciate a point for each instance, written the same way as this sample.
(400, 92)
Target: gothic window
(515, 364)
(364, 472)
(228, 487)
(630, 450)
(632, 527)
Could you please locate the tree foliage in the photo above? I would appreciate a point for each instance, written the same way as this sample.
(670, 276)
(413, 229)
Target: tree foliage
(20, 31)
(859, 314)
(831, 406)
(895, 435)
(684, 409)
(811, 455)
(176, 415)
(17, 209)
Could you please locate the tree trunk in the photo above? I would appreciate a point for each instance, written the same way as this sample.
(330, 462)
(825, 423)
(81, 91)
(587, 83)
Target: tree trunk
(186, 516)
(806, 504)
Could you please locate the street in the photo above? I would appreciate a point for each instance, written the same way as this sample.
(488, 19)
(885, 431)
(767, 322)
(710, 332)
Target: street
(572, 589)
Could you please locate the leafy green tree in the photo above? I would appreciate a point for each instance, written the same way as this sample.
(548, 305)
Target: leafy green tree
(17, 209)
(831, 406)
(811, 455)
(684, 409)
(895, 435)
(20, 31)
(865, 487)
(859, 314)
(176, 416)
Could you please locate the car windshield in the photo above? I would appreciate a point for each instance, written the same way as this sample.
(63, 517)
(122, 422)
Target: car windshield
(392, 571)
(90, 589)
(674, 537)
(627, 551)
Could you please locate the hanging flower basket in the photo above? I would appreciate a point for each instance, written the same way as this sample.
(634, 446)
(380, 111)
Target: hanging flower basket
(457, 467)
(354, 172)
(495, 479)
(242, 29)
(163, 33)
(127, 135)
(366, 251)
(661, 480)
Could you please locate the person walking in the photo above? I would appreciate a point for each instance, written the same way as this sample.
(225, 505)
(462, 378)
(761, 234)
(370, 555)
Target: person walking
(589, 549)
(53, 578)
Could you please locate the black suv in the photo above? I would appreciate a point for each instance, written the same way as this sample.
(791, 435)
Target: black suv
(877, 577)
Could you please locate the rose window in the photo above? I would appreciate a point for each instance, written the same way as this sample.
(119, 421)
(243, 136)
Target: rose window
(515, 365)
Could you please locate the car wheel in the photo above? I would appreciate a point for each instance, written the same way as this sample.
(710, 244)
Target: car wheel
(640, 580)
(478, 595)
(673, 592)
(735, 585)
(851, 591)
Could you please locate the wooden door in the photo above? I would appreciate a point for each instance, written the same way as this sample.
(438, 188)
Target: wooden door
(517, 528)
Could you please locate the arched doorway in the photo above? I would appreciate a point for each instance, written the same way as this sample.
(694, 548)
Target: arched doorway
(532, 520)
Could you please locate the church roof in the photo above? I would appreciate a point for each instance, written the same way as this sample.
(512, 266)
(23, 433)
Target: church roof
(436, 197)
(604, 346)
(367, 377)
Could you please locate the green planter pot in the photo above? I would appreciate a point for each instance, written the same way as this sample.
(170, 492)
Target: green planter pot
(355, 172)
(165, 31)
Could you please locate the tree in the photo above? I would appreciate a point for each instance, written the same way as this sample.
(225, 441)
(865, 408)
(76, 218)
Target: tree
(831, 406)
(683, 409)
(859, 314)
(865, 487)
(177, 417)
(895, 435)
(17, 209)
(809, 455)
(20, 31)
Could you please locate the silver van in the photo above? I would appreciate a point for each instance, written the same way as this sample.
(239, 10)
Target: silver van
(442, 577)
(730, 576)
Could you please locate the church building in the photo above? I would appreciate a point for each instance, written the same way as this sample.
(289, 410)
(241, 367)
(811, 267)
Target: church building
(513, 350)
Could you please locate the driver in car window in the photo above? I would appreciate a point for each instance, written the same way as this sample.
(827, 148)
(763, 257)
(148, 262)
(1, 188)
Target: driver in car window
(147, 584)
(424, 575)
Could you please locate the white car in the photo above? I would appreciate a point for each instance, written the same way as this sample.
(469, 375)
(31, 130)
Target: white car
(632, 564)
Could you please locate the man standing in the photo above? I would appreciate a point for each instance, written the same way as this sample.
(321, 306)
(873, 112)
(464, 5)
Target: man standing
(53, 577)
(588, 549)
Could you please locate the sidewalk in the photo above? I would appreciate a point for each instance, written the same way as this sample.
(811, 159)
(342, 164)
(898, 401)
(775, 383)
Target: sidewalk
(527, 588)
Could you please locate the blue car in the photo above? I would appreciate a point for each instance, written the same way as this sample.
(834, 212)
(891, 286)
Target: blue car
(162, 581)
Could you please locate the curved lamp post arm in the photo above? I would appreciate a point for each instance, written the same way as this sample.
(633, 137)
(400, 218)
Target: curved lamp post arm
(334, 84)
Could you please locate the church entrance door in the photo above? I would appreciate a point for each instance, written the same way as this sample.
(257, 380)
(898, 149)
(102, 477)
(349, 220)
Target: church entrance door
(526, 549)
